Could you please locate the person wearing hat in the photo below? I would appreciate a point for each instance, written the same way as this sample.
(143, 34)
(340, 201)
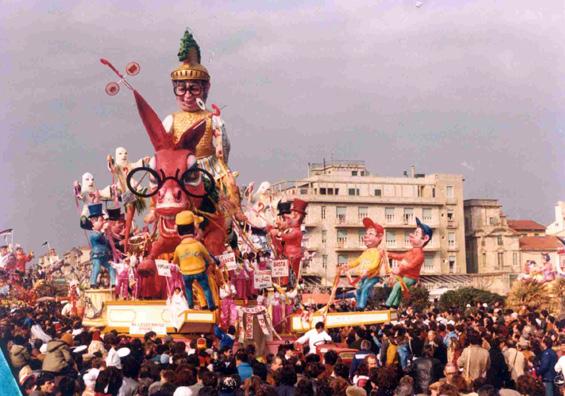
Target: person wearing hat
(292, 235)
(408, 272)
(279, 227)
(100, 253)
(193, 258)
(369, 262)
(191, 84)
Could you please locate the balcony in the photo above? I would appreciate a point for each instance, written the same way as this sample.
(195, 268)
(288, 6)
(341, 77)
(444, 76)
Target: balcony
(350, 247)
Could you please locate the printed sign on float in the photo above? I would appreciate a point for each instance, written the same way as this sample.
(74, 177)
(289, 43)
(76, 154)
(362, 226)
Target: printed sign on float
(143, 328)
(263, 279)
(228, 259)
(163, 267)
(280, 268)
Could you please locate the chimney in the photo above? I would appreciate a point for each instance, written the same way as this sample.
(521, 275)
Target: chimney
(412, 171)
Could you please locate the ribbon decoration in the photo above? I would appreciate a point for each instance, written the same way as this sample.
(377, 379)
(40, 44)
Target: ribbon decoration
(263, 324)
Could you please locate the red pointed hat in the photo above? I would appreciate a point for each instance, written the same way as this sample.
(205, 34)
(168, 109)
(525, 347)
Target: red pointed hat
(299, 206)
(368, 223)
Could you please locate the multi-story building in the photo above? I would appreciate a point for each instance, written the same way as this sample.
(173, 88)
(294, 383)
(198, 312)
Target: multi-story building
(341, 193)
(557, 228)
(491, 244)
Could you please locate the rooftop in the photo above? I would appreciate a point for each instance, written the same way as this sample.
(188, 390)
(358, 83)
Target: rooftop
(525, 225)
(542, 243)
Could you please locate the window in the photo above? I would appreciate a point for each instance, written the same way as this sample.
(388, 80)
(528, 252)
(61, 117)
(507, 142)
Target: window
(362, 212)
(428, 263)
(341, 259)
(515, 259)
(324, 236)
(323, 213)
(408, 215)
(420, 191)
(449, 192)
(406, 238)
(340, 214)
(378, 192)
(324, 261)
(341, 237)
(389, 214)
(493, 220)
(451, 239)
(451, 262)
(362, 173)
(433, 192)
(303, 191)
(322, 191)
(390, 238)
(450, 215)
(336, 191)
(353, 191)
(360, 235)
(500, 260)
(499, 240)
(426, 214)
(353, 173)
(330, 191)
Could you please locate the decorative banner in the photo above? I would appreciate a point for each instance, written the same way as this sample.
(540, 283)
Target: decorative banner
(280, 268)
(163, 268)
(263, 279)
(228, 259)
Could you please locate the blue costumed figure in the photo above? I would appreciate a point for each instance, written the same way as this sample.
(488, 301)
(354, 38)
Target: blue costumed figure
(101, 251)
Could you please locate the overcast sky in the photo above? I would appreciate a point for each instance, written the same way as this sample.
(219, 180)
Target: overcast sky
(468, 87)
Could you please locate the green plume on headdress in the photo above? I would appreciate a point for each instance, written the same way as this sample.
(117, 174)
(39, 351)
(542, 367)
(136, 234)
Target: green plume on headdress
(188, 43)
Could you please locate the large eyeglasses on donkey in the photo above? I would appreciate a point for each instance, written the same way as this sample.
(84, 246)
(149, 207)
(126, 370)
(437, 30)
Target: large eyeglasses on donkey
(190, 177)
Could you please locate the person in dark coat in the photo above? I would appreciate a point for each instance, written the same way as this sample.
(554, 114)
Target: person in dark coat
(425, 370)
(497, 373)
(546, 368)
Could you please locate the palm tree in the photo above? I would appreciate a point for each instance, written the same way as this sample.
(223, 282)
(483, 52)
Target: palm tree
(530, 293)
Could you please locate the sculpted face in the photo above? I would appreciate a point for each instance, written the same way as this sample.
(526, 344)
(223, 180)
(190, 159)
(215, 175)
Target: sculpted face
(187, 92)
(97, 223)
(418, 238)
(121, 156)
(88, 182)
(371, 238)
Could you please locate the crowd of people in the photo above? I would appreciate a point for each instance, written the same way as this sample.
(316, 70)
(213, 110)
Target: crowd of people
(480, 351)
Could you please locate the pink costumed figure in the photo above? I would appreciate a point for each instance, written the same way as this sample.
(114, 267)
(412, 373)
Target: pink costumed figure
(175, 280)
(242, 285)
(278, 309)
(123, 271)
(228, 315)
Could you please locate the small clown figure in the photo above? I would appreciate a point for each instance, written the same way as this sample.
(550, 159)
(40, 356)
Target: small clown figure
(408, 272)
(228, 315)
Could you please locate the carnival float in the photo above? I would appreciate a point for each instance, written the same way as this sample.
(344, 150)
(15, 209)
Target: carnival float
(208, 253)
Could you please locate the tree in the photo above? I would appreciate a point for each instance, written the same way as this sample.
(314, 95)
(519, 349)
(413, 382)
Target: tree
(528, 292)
(419, 299)
(468, 295)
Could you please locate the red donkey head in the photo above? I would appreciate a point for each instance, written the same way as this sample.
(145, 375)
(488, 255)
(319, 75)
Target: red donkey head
(175, 181)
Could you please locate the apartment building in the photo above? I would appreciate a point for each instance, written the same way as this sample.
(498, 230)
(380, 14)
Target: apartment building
(341, 193)
(492, 245)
